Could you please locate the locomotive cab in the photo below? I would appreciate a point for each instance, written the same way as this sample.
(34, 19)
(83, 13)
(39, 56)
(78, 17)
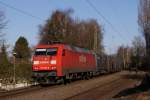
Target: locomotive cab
(45, 64)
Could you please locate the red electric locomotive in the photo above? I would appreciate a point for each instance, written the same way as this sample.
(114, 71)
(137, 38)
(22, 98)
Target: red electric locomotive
(55, 62)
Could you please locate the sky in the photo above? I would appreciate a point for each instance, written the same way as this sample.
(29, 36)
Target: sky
(118, 18)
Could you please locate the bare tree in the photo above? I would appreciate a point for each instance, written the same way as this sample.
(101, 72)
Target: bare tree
(138, 53)
(138, 46)
(2, 25)
(124, 55)
(62, 27)
(144, 22)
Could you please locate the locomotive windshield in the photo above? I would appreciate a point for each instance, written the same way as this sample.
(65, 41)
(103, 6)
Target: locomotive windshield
(52, 51)
(49, 51)
(40, 52)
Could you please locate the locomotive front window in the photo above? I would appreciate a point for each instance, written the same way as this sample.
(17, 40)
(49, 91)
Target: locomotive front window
(52, 51)
(40, 52)
(49, 51)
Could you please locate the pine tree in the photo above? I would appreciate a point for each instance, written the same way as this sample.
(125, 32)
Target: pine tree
(23, 63)
(22, 49)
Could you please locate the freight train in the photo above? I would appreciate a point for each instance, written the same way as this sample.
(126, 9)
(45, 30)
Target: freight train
(56, 63)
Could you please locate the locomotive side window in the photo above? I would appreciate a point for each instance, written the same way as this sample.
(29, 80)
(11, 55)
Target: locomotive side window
(63, 52)
(40, 52)
(52, 51)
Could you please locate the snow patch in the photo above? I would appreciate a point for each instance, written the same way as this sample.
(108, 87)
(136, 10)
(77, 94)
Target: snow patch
(12, 86)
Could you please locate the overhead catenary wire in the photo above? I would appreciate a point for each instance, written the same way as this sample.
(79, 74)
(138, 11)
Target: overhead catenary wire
(20, 11)
(104, 18)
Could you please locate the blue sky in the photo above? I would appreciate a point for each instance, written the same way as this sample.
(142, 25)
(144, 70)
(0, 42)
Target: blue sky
(122, 14)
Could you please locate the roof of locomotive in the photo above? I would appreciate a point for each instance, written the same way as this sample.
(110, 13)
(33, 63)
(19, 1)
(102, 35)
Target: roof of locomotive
(48, 45)
(65, 46)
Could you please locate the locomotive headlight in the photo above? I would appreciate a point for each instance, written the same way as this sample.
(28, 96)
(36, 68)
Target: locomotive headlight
(54, 67)
(53, 62)
(35, 62)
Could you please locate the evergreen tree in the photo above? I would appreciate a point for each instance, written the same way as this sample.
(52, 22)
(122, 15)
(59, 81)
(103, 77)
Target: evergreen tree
(22, 49)
(23, 63)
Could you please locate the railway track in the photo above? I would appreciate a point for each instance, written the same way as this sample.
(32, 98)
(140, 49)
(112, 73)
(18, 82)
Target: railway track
(33, 88)
(20, 91)
(51, 91)
(92, 89)
(104, 91)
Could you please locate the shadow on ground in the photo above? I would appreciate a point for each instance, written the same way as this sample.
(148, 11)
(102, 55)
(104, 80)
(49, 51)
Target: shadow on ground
(134, 76)
(144, 86)
(131, 91)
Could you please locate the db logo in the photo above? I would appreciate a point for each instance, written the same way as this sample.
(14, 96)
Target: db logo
(82, 58)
